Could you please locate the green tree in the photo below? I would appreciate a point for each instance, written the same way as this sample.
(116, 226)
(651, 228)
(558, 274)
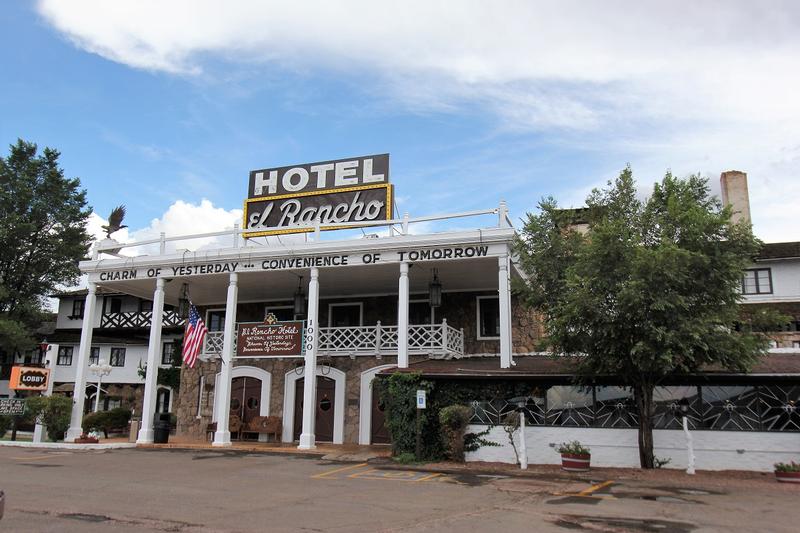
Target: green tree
(42, 237)
(650, 289)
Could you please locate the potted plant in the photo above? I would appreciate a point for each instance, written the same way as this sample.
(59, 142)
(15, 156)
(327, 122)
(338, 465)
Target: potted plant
(575, 457)
(787, 472)
(88, 438)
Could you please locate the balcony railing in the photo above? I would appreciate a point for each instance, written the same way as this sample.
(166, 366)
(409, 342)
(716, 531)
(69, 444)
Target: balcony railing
(437, 340)
(139, 319)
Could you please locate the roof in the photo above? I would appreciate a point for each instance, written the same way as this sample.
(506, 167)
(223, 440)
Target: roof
(82, 292)
(533, 366)
(780, 250)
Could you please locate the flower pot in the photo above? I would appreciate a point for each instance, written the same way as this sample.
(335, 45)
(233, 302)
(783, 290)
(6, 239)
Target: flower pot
(788, 477)
(573, 462)
(86, 440)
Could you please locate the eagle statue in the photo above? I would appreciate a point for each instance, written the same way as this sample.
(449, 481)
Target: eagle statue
(115, 221)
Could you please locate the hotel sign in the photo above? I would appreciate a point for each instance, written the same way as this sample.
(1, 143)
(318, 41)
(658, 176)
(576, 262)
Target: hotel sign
(280, 339)
(283, 200)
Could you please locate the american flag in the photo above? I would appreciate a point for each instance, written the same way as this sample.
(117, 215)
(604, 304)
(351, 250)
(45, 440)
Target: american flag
(193, 340)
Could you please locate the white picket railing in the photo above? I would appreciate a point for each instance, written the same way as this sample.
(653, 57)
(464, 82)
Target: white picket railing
(437, 340)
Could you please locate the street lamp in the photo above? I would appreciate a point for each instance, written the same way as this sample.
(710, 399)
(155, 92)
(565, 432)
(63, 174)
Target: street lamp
(683, 406)
(99, 369)
(521, 402)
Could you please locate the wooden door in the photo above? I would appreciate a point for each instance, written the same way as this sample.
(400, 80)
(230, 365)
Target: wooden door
(323, 417)
(379, 433)
(245, 398)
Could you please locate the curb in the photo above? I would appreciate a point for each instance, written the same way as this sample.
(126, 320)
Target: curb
(562, 476)
(68, 445)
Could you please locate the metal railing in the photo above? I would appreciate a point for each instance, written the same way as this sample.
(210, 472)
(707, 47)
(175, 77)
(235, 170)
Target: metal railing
(396, 225)
(139, 319)
(436, 340)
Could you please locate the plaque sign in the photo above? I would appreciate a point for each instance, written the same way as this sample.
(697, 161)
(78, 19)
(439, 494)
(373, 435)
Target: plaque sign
(270, 339)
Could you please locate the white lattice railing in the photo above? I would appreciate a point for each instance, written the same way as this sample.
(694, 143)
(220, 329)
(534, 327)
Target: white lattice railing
(438, 340)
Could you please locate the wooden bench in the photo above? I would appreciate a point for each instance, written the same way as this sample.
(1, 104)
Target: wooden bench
(268, 425)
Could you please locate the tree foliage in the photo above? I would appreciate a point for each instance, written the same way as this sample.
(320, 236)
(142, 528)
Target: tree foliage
(52, 411)
(650, 290)
(43, 235)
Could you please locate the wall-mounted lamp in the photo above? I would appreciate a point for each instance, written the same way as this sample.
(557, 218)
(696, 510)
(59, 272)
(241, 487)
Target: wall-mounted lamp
(435, 290)
(183, 301)
(299, 299)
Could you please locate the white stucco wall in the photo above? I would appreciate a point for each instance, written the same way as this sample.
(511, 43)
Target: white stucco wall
(785, 281)
(135, 354)
(714, 450)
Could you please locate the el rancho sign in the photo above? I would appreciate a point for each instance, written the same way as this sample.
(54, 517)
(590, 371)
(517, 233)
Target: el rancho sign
(270, 338)
(293, 199)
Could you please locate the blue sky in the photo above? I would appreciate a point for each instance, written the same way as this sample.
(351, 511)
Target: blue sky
(160, 105)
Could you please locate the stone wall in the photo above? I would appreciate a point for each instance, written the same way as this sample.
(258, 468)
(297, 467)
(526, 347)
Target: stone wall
(192, 427)
(458, 308)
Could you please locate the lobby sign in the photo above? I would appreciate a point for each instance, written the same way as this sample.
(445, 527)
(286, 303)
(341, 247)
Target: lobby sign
(280, 200)
(28, 378)
(279, 339)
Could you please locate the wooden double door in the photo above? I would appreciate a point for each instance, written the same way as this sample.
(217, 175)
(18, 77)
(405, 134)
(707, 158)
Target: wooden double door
(326, 400)
(245, 399)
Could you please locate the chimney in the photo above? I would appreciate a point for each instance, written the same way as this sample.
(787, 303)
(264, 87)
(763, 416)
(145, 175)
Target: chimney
(734, 193)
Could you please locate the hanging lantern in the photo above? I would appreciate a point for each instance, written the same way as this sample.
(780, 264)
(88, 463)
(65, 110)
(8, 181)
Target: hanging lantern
(435, 290)
(183, 301)
(299, 299)
(44, 346)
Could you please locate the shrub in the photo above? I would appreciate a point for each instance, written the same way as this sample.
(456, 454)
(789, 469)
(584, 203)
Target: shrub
(5, 423)
(52, 411)
(106, 421)
(787, 467)
(573, 448)
(453, 421)
(405, 458)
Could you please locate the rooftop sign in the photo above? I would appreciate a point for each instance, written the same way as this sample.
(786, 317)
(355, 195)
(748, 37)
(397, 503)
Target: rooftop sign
(330, 192)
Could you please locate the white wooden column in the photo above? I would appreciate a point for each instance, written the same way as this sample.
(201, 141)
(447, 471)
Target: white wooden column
(402, 318)
(39, 430)
(504, 293)
(153, 359)
(84, 348)
(222, 437)
(307, 437)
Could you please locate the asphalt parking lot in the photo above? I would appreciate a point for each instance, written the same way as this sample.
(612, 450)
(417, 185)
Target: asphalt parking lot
(205, 490)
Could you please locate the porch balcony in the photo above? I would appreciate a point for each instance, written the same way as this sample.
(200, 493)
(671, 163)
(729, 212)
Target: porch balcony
(139, 319)
(436, 340)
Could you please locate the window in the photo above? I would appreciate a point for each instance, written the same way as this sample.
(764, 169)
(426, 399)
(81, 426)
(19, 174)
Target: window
(163, 400)
(419, 312)
(345, 315)
(488, 317)
(215, 320)
(145, 306)
(117, 357)
(94, 355)
(77, 308)
(757, 281)
(64, 355)
(167, 353)
(115, 305)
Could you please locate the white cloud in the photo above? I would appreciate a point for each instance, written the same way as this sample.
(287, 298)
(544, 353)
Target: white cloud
(181, 218)
(695, 86)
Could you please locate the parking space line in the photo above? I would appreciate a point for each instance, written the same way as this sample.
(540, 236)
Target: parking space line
(426, 478)
(34, 458)
(337, 470)
(594, 488)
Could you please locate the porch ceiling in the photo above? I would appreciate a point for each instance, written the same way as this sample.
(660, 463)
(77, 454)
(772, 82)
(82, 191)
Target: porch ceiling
(472, 274)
